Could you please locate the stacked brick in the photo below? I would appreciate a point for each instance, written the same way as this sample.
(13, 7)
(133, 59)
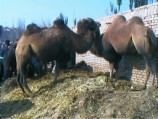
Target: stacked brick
(130, 67)
(98, 64)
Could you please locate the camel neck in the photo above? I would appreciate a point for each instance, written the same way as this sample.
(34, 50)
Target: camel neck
(97, 47)
(83, 42)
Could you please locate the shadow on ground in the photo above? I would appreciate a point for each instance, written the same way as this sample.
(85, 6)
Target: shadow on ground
(7, 109)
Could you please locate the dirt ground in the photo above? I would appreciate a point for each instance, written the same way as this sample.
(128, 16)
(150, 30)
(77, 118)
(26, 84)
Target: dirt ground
(78, 94)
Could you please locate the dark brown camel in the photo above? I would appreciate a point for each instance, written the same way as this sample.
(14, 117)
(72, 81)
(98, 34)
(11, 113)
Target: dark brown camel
(54, 43)
(132, 36)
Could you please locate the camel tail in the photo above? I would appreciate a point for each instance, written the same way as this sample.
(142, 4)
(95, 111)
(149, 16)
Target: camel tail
(152, 37)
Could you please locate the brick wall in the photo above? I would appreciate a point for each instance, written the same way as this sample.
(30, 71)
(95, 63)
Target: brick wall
(131, 67)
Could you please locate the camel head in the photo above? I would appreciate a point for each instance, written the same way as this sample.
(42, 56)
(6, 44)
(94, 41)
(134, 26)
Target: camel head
(59, 22)
(87, 24)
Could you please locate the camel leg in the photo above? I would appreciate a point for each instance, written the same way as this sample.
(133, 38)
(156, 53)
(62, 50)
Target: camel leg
(25, 85)
(7, 71)
(57, 71)
(44, 68)
(149, 71)
(20, 83)
(112, 67)
(116, 64)
(156, 73)
(157, 79)
(111, 70)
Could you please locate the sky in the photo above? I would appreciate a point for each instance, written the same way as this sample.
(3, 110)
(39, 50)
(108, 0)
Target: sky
(46, 11)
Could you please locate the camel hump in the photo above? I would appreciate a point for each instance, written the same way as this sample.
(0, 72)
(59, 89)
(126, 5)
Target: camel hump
(118, 19)
(136, 20)
(32, 28)
(59, 22)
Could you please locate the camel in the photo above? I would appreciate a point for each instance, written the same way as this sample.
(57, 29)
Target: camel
(127, 37)
(54, 43)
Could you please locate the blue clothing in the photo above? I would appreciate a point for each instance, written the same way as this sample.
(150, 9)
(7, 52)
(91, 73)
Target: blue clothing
(3, 50)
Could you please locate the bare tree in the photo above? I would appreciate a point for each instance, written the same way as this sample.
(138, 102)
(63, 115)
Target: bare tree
(13, 35)
(111, 7)
(119, 3)
(138, 3)
(107, 12)
(66, 20)
(61, 16)
(20, 27)
(150, 1)
(1, 30)
(115, 11)
(75, 22)
(74, 19)
(143, 2)
(45, 24)
(131, 4)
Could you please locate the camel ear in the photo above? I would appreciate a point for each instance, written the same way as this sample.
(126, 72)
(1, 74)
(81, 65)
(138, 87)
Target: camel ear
(98, 24)
(59, 22)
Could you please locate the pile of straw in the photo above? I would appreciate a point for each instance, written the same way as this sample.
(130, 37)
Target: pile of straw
(78, 94)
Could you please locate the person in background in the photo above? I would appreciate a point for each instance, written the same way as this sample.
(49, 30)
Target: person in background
(4, 49)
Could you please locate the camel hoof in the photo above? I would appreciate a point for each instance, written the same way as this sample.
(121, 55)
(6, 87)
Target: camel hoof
(25, 95)
(132, 88)
(106, 79)
(110, 80)
(136, 88)
(156, 86)
(31, 94)
(55, 82)
(28, 95)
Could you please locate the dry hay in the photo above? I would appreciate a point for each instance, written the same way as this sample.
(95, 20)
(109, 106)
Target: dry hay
(80, 94)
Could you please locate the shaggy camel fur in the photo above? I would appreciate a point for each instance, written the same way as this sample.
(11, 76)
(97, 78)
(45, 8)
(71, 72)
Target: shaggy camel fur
(54, 43)
(130, 36)
(127, 37)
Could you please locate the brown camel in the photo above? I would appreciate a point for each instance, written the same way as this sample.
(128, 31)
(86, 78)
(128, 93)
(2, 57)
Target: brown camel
(132, 36)
(54, 43)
